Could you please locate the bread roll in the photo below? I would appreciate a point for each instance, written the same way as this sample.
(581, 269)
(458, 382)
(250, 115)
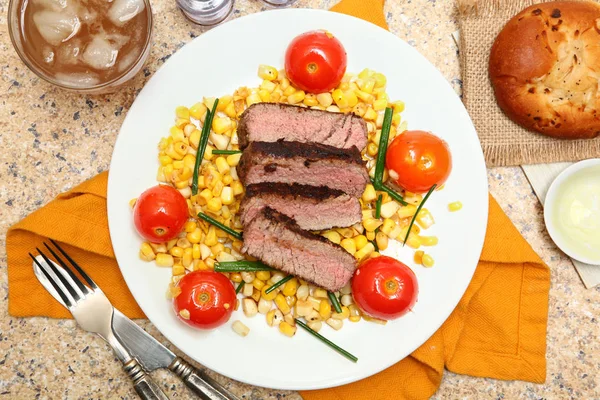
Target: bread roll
(545, 69)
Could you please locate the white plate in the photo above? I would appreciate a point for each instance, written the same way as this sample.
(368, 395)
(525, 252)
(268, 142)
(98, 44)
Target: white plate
(217, 63)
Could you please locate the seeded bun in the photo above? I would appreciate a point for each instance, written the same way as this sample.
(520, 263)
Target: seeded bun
(545, 69)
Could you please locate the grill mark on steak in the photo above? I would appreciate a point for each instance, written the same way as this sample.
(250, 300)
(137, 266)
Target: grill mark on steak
(270, 168)
(311, 151)
(276, 216)
(294, 190)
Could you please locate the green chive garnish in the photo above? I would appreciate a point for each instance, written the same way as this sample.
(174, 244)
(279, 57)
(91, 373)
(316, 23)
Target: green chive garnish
(335, 302)
(276, 285)
(242, 266)
(393, 194)
(412, 221)
(239, 287)
(226, 152)
(202, 144)
(378, 206)
(328, 342)
(383, 143)
(235, 234)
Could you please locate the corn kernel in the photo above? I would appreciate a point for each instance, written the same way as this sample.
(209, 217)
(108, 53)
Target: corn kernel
(418, 257)
(371, 115)
(253, 99)
(382, 241)
(364, 252)
(281, 303)
(428, 240)
(351, 98)
(324, 309)
(296, 97)
(263, 275)
(237, 188)
(290, 287)
(302, 292)
(164, 260)
(311, 100)
(454, 206)
(265, 95)
(211, 236)
(287, 329)
(379, 105)
(267, 72)
(428, 261)
(380, 80)
(398, 106)
(413, 241)
(178, 269)
(407, 211)
(370, 236)
(325, 99)
(335, 323)
(239, 328)
(349, 245)
(258, 284)
(366, 73)
(360, 241)
(233, 159)
(214, 204)
(370, 225)
(198, 111)
(333, 236)
(369, 194)
(268, 85)
(340, 98)
(268, 296)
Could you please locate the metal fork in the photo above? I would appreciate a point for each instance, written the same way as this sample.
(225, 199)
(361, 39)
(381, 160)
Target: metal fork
(93, 312)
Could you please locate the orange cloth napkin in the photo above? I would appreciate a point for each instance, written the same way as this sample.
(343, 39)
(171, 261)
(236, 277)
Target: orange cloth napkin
(498, 329)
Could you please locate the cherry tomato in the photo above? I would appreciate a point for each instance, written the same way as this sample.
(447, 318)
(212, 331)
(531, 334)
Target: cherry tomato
(419, 159)
(208, 297)
(384, 287)
(315, 61)
(160, 213)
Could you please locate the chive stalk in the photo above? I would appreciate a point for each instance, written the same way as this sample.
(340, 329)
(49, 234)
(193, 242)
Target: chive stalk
(202, 145)
(242, 266)
(210, 220)
(239, 287)
(335, 302)
(412, 221)
(393, 194)
(276, 285)
(383, 143)
(328, 342)
(378, 206)
(226, 152)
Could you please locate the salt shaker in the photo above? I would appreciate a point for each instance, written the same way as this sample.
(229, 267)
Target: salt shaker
(206, 12)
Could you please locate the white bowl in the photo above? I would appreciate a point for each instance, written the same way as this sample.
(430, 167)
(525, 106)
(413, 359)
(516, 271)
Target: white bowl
(550, 218)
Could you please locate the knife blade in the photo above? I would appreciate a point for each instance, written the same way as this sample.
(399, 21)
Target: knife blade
(153, 355)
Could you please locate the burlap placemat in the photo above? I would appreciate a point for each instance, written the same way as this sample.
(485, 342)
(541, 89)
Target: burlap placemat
(503, 141)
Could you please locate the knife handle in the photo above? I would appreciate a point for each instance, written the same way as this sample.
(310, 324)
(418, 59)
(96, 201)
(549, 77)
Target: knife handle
(199, 382)
(145, 387)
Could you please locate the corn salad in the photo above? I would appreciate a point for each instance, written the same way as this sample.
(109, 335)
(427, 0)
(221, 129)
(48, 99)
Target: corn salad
(220, 191)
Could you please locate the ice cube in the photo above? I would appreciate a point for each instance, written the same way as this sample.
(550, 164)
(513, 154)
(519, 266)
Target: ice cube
(122, 11)
(79, 80)
(100, 54)
(56, 27)
(55, 5)
(48, 55)
(117, 39)
(126, 61)
(68, 53)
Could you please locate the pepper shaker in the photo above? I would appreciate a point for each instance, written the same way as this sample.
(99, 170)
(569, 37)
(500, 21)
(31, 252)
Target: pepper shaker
(206, 12)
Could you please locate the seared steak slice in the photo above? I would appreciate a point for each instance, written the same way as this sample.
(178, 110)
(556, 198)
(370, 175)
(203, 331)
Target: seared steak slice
(313, 208)
(278, 241)
(306, 164)
(272, 122)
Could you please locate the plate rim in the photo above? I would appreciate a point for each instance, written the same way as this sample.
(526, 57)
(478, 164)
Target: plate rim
(449, 305)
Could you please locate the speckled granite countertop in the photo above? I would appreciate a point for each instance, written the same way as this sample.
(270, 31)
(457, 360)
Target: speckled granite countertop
(51, 140)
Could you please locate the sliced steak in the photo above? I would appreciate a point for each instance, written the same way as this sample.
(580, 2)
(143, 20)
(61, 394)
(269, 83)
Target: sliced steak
(278, 241)
(313, 208)
(306, 164)
(272, 122)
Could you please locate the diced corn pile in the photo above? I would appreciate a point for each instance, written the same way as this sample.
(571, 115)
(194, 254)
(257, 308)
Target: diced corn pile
(220, 191)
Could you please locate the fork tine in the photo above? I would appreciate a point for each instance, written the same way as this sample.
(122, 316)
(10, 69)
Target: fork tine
(76, 296)
(56, 287)
(77, 267)
(77, 281)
